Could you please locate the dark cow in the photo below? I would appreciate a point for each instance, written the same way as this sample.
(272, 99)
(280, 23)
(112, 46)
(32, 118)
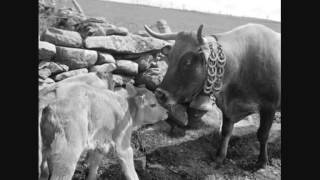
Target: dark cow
(251, 82)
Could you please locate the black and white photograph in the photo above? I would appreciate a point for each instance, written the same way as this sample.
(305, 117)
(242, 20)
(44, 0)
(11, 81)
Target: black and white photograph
(159, 90)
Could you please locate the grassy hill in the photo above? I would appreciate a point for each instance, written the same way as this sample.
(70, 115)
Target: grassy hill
(134, 17)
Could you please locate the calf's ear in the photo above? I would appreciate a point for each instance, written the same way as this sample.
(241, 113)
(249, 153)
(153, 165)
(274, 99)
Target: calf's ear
(166, 49)
(140, 100)
(131, 90)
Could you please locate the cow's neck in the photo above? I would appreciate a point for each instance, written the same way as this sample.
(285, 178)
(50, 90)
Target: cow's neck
(215, 61)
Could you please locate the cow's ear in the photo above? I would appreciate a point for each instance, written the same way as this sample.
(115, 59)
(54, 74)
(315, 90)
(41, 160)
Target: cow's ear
(131, 90)
(166, 49)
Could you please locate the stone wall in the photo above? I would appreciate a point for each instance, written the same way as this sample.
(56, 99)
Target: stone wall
(74, 44)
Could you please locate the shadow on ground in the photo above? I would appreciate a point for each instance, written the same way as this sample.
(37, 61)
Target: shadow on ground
(192, 156)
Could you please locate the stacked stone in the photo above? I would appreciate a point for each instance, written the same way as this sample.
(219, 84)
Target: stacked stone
(78, 45)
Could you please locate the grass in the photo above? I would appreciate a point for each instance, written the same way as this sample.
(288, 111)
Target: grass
(134, 17)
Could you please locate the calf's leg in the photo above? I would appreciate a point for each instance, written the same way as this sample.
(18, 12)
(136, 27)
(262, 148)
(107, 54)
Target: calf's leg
(44, 171)
(125, 153)
(266, 117)
(94, 160)
(63, 159)
(63, 168)
(127, 163)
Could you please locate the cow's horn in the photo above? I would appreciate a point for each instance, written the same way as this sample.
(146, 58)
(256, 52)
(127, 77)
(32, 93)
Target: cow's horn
(199, 34)
(164, 36)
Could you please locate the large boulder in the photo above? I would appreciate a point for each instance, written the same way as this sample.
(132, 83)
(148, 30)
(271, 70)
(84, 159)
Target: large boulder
(124, 44)
(68, 74)
(108, 67)
(46, 50)
(62, 37)
(76, 58)
(153, 76)
(126, 67)
(105, 58)
(120, 80)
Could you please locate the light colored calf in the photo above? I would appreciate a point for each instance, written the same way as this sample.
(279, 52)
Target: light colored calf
(75, 117)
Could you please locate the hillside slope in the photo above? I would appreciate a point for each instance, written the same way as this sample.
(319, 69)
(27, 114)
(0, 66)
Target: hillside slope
(134, 17)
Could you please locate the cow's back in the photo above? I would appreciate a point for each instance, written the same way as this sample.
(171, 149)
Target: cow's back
(253, 69)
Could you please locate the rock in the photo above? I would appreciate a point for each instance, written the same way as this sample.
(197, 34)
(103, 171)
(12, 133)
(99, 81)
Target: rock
(124, 44)
(121, 80)
(43, 64)
(62, 37)
(144, 62)
(54, 68)
(126, 67)
(45, 82)
(114, 30)
(46, 50)
(163, 26)
(140, 163)
(105, 58)
(153, 76)
(91, 29)
(68, 19)
(76, 58)
(44, 73)
(46, 17)
(95, 20)
(68, 74)
(103, 68)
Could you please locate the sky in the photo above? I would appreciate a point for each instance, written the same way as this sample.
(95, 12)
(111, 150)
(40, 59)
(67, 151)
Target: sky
(265, 9)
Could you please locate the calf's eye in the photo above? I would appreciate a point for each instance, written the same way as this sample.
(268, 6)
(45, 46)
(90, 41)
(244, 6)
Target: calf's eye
(153, 105)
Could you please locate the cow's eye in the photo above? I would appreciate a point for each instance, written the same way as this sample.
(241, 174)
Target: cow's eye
(153, 105)
(188, 62)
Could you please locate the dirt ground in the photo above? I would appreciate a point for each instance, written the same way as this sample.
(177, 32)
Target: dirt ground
(190, 156)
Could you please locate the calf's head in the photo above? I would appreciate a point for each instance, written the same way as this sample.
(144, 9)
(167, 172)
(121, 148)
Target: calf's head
(144, 107)
(186, 66)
